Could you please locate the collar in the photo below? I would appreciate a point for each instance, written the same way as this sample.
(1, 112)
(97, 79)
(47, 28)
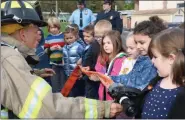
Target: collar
(82, 9)
(71, 45)
(87, 47)
(119, 55)
(151, 85)
(23, 49)
(55, 34)
(143, 58)
(106, 11)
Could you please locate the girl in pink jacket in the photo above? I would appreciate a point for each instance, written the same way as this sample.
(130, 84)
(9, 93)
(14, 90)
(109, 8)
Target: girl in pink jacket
(110, 59)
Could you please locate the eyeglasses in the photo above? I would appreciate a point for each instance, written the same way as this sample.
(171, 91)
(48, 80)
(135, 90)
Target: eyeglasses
(98, 37)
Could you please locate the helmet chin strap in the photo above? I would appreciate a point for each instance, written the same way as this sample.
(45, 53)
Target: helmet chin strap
(32, 60)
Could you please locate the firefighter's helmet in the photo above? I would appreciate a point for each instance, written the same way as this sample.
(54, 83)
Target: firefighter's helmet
(37, 6)
(21, 12)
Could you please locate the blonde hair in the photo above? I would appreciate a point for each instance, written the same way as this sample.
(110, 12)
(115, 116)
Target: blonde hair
(102, 27)
(53, 21)
(130, 34)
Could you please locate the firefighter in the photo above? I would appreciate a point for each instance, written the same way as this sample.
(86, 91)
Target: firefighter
(25, 95)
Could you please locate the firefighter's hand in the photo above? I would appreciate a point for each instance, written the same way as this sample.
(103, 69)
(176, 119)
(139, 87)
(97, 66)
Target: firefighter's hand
(47, 72)
(115, 109)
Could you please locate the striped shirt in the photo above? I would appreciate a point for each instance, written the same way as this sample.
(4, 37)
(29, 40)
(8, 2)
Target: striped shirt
(55, 55)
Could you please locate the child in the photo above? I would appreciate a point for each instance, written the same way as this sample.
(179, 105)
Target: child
(132, 55)
(72, 52)
(54, 43)
(92, 53)
(43, 57)
(124, 35)
(88, 34)
(110, 58)
(128, 63)
(166, 99)
(79, 40)
(143, 71)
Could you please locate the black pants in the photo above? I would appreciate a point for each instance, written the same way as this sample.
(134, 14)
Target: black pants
(91, 89)
(78, 89)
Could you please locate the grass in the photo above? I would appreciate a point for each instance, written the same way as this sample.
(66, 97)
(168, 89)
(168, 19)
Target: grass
(63, 26)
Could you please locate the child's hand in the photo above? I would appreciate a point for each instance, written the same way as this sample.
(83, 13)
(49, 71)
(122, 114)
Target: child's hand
(86, 68)
(79, 62)
(58, 47)
(107, 85)
(54, 47)
(94, 77)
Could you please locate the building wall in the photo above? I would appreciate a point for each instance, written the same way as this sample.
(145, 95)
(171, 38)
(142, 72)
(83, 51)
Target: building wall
(139, 18)
(179, 16)
(151, 5)
(124, 18)
(173, 4)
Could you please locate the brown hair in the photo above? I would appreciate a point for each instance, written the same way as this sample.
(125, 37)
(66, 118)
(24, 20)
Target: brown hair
(89, 29)
(115, 37)
(150, 27)
(75, 26)
(172, 41)
(72, 28)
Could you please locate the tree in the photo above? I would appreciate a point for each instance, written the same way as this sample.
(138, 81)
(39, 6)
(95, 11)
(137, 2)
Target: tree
(128, 5)
(94, 5)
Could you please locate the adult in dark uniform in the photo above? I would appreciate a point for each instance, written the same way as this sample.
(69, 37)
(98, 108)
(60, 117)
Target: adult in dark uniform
(110, 15)
(82, 17)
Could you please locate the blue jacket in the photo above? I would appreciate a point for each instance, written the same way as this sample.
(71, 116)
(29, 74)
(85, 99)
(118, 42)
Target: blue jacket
(140, 76)
(44, 58)
(81, 42)
(71, 54)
